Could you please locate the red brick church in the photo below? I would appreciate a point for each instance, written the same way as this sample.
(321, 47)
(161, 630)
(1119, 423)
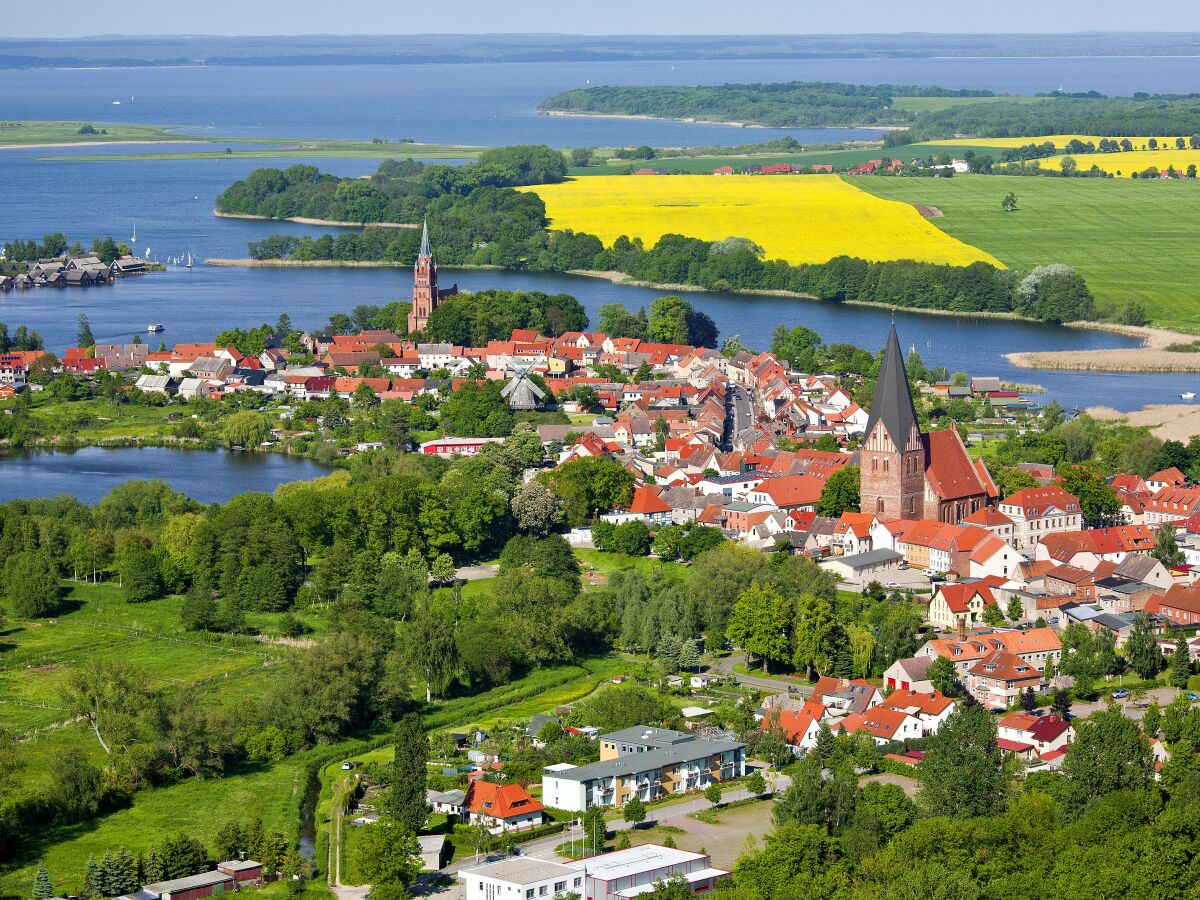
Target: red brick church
(906, 473)
(426, 294)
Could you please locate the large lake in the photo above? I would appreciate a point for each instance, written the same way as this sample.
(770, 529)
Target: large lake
(210, 476)
(171, 200)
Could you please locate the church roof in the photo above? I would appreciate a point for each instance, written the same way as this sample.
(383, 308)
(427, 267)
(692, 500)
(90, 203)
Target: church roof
(949, 469)
(892, 404)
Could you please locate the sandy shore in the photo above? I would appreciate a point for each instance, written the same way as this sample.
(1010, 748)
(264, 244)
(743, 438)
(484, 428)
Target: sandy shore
(1152, 356)
(301, 220)
(1169, 421)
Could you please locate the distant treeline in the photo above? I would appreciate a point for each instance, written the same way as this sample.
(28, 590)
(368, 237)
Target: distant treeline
(789, 104)
(1117, 117)
(503, 227)
(812, 104)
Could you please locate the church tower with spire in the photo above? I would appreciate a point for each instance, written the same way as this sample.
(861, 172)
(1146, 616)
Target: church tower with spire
(893, 454)
(426, 294)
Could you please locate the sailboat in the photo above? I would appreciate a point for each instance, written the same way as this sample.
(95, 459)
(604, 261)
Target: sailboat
(189, 263)
(133, 240)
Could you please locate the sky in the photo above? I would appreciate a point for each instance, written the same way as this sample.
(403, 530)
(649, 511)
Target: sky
(72, 18)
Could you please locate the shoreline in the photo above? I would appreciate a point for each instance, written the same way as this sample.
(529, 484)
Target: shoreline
(692, 120)
(1032, 359)
(302, 220)
(1151, 357)
(1169, 421)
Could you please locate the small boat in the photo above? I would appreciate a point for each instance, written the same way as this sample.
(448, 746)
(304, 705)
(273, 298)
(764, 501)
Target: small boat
(1188, 395)
(155, 327)
(116, 103)
(189, 262)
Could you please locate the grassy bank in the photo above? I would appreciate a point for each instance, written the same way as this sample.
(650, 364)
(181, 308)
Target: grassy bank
(56, 133)
(1127, 238)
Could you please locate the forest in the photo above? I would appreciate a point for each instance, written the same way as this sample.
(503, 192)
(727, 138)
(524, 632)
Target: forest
(795, 104)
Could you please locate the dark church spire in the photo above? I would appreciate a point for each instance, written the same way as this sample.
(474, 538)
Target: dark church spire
(892, 404)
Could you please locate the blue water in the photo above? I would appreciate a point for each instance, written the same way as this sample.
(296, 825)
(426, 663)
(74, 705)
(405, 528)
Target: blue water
(91, 472)
(171, 200)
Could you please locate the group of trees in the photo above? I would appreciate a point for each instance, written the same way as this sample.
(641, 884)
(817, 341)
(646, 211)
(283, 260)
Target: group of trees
(56, 244)
(974, 828)
(22, 338)
(796, 104)
(496, 225)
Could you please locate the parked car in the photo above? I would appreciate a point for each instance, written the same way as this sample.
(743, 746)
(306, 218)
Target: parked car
(1120, 694)
(1192, 696)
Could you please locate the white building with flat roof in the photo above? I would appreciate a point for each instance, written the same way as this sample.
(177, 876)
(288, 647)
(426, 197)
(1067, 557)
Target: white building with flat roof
(522, 878)
(620, 875)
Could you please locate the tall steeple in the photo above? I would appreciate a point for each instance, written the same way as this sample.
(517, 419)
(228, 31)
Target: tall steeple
(425, 251)
(893, 454)
(892, 403)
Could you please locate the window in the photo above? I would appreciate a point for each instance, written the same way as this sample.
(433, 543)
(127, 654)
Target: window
(543, 891)
(559, 886)
(529, 893)
(577, 882)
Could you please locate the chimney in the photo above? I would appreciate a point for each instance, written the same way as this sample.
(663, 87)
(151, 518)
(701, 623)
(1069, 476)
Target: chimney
(962, 629)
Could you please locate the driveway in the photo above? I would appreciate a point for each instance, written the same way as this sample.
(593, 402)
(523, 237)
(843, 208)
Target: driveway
(475, 573)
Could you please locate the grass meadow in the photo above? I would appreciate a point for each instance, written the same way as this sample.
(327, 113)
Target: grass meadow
(1129, 239)
(802, 218)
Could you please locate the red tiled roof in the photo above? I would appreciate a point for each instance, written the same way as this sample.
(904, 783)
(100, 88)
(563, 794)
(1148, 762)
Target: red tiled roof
(1034, 502)
(932, 704)
(959, 596)
(647, 502)
(880, 721)
(499, 801)
(949, 470)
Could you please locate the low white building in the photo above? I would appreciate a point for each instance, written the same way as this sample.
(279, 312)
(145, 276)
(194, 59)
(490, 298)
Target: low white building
(522, 878)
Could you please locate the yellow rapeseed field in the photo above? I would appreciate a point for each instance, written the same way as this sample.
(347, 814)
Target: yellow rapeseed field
(1058, 140)
(798, 218)
(1125, 164)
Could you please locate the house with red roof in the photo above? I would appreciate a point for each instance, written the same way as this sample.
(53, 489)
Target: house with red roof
(501, 807)
(1037, 646)
(960, 604)
(993, 520)
(930, 708)
(998, 680)
(884, 723)
(853, 532)
(1172, 504)
(790, 493)
(1180, 605)
(1039, 511)
(800, 727)
(842, 696)
(1042, 733)
(648, 506)
(1169, 477)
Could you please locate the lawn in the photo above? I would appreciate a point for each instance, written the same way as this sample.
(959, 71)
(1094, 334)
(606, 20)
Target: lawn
(801, 218)
(1128, 238)
(195, 807)
(602, 565)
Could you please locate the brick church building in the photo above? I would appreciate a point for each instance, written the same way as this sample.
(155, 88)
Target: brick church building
(426, 294)
(906, 473)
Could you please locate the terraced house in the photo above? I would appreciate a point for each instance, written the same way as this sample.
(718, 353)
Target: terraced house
(643, 762)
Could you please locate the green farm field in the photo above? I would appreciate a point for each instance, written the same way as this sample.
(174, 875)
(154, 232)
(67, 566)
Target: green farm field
(1128, 238)
(24, 133)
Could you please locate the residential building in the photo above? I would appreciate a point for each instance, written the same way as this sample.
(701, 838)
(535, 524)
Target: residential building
(843, 696)
(998, 679)
(930, 708)
(502, 807)
(800, 726)
(1039, 511)
(1036, 646)
(960, 604)
(859, 569)
(909, 675)
(448, 447)
(1042, 733)
(643, 762)
(885, 724)
(1180, 606)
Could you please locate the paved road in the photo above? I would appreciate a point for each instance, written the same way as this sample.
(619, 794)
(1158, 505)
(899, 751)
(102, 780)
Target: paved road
(334, 863)
(779, 686)
(1164, 696)
(741, 413)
